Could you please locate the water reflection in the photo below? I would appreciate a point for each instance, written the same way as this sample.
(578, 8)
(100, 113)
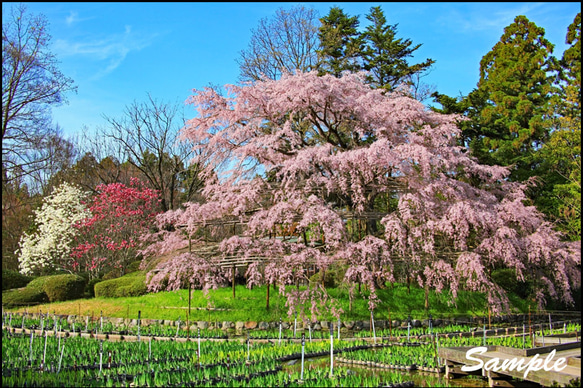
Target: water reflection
(419, 378)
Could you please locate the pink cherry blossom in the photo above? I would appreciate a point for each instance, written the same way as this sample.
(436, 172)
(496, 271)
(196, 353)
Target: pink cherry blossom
(300, 162)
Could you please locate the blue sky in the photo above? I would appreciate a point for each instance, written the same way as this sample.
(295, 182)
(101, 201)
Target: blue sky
(117, 53)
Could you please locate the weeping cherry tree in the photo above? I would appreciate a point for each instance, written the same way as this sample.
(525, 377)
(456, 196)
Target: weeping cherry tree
(318, 154)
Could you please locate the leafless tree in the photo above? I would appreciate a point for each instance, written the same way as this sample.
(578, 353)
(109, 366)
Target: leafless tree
(31, 85)
(419, 90)
(148, 136)
(285, 43)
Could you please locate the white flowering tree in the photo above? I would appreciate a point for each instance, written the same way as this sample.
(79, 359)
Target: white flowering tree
(49, 247)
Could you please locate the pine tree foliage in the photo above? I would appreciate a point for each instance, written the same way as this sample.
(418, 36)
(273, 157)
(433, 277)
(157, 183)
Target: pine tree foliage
(340, 43)
(385, 55)
(517, 77)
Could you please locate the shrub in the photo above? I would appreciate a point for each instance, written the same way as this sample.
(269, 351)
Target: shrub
(64, 287)
(334, 276)
(133, 266)
(90, 288)
(13, 279)
(38, 283)
(133, 284)
(25, 297)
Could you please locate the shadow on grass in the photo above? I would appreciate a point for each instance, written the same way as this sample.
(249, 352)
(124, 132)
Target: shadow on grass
(250, 305)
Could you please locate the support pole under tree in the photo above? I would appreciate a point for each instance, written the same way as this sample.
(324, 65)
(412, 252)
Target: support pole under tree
(267, 299)
(199, 364)
(426, 297)
(303, 346)
(374, 334)
(331, 326)
(390, 325)
(279, 331)
(188, 316)
(530, 335)
(233, 281)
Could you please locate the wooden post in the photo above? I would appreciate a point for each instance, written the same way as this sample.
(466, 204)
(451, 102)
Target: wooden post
(390, 324)
(426, 297)
(188, 316)
(267, 302)
(530, 327)
(233, 281)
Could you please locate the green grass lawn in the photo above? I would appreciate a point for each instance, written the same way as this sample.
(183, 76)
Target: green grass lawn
(250, 305)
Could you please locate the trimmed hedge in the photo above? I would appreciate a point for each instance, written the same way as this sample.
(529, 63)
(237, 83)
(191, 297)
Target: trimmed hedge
(133, 284)
(60, 288)
(24, 297)
(38, 283)
(14, 279)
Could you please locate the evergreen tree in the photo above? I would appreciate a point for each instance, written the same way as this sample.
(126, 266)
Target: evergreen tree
(560, 157)
(570, 74)
(385, 56)
(516, 115)
(340, 43)
(517, 77)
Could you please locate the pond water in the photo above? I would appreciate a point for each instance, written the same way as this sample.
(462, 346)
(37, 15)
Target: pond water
(419, 378)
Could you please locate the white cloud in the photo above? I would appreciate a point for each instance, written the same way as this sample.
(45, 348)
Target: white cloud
(72, 18)
(107, 52)
(483, 17)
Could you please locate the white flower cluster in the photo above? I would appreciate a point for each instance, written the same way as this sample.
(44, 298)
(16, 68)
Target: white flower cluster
(55, 220)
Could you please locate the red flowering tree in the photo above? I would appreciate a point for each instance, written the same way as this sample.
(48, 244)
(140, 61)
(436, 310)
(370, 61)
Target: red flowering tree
(321, 155)
(110, 238)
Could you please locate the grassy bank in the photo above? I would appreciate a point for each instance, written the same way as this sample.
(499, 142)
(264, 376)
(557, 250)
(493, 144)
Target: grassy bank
(250, 305)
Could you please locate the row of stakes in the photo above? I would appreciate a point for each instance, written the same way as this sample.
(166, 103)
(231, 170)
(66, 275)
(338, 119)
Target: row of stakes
(430, 326)
(57, 333)
(62, 350)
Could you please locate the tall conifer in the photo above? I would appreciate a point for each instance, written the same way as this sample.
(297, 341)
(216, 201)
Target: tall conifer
(517, 77)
